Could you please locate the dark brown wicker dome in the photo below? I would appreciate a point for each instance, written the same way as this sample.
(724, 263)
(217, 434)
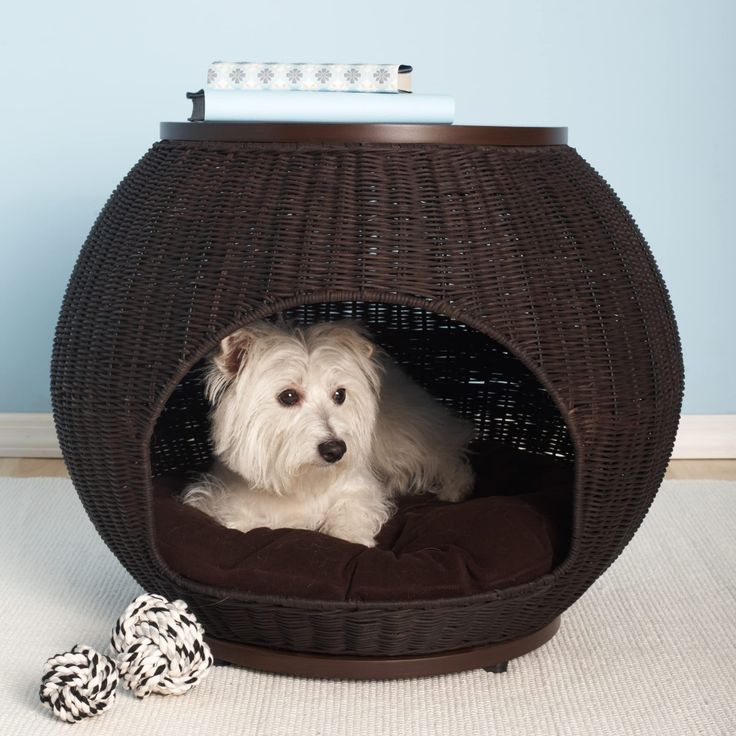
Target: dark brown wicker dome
(508, 278)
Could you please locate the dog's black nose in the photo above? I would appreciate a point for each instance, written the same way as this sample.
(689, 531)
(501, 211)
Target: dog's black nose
(332, 450)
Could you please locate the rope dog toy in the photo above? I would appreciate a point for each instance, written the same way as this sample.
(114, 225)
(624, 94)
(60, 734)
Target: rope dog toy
(156, 647)
(159, 647)
(78, 684)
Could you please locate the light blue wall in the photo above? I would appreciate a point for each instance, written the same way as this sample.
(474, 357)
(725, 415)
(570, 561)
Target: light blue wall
(646, 87)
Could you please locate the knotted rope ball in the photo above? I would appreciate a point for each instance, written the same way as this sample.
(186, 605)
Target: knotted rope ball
(78, 683)
(159, 647)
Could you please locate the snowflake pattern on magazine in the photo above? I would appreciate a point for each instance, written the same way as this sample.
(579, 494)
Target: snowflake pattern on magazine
(305, 77)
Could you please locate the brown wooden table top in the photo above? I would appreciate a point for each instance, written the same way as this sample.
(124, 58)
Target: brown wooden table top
(363, 133)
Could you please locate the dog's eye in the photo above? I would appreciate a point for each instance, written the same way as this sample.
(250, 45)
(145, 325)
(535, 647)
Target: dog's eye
(339, 396)
(288, 397)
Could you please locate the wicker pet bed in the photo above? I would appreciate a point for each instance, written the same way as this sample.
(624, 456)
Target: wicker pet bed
(493, 263)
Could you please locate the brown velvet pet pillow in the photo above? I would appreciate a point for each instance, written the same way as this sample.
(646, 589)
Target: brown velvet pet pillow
(428, 550)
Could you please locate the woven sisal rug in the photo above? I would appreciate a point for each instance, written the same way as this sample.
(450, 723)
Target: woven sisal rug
(650, 649)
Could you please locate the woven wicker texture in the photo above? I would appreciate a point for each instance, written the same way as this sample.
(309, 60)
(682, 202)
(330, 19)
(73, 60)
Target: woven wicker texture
(511, 281)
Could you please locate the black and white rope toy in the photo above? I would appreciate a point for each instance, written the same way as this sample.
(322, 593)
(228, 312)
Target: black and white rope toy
(79, 683)
(159, 647)
(156, 647)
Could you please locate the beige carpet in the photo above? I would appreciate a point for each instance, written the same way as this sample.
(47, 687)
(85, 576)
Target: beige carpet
(650, 649)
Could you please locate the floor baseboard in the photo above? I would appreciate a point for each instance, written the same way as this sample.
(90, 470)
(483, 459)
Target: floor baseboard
(28, 435)
(701, 436)
(706, 437)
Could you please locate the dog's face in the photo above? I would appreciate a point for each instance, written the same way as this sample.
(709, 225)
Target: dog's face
(288, 401)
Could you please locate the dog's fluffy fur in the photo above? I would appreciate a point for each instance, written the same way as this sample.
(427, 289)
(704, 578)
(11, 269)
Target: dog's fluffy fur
(270, 467)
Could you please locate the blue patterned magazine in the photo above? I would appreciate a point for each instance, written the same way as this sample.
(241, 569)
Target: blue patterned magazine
(246, 75)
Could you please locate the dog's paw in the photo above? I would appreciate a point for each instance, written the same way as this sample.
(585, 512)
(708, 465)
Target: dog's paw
(357, 532)
(356, 536)
(365, 540)
(457, 486)
(359, 516)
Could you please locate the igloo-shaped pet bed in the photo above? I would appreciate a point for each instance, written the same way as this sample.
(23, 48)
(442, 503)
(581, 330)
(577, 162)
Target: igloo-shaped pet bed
(493, 263)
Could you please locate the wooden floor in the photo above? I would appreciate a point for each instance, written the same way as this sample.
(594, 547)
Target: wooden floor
(27, 467)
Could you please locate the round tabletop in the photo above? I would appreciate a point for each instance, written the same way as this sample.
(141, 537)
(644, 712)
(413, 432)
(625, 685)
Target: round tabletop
(363, 133)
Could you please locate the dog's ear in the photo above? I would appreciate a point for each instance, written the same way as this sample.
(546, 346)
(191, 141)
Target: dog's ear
(355, 338)
(231, 353)
(233, 349)
(349, 333)
(358, 339)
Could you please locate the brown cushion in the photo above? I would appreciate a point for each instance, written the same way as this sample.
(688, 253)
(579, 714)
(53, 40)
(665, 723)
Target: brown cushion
(428, 550)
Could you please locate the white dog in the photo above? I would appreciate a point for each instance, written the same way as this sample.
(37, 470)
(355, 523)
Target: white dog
(316, 428)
